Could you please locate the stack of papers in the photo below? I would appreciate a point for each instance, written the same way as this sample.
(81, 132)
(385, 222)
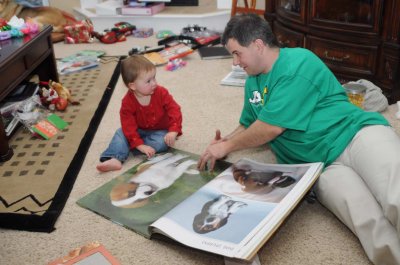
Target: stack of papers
(237, 77)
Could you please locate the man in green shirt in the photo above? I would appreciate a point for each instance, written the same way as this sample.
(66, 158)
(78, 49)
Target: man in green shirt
(294, 103)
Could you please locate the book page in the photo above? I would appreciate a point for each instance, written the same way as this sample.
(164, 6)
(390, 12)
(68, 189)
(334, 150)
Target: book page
(235, 213)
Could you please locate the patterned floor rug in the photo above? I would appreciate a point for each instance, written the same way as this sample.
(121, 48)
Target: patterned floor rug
(36, 182)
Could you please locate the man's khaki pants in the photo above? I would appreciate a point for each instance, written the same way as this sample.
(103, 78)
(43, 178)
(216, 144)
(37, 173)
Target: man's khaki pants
(362, 188)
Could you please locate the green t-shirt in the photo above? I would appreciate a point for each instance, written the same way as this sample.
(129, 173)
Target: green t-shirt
(302, 95)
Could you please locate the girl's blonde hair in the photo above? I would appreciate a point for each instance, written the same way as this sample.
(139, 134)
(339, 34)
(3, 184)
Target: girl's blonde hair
(132, 66)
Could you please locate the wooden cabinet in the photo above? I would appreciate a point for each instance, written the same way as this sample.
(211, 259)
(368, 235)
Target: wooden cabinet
(357, 39)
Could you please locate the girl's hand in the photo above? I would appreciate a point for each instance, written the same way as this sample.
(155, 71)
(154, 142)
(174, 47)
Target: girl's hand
(147, 150)
(170, 138)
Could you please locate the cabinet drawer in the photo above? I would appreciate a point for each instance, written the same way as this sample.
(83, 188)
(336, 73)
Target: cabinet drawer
(287, 37)
(345, 57)
(10, 74)
(36, 51)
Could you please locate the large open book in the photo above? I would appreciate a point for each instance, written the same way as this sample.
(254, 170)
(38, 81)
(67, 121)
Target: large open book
(231, 212)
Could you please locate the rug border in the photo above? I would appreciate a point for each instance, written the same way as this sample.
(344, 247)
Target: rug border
(45, 223)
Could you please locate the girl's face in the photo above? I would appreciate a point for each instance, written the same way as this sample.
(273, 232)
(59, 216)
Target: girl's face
(145, 84)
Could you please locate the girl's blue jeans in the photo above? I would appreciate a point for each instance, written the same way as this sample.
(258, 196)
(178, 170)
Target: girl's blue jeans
(119, 147)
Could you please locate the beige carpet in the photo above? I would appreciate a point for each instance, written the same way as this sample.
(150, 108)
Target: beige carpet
(311, 235)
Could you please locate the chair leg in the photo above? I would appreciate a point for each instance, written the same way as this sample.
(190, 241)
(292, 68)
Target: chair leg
(234, 6)
(253, 4)
(248, 8)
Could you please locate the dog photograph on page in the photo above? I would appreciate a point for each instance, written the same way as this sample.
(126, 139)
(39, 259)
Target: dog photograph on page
(152, 176)
(252, 181)
(215, 214)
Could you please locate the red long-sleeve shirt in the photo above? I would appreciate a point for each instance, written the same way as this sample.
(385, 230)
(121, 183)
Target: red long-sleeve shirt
(162, 113)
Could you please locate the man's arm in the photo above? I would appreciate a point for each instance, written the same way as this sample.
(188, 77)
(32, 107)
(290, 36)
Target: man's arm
(218, 137)
(239, 129)
(257, 134)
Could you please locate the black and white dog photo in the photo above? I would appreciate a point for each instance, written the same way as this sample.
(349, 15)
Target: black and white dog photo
(215, 214)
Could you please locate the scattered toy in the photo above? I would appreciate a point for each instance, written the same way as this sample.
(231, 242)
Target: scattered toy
(142, 33)
(164, 34)
(175, 64)
(116, 34)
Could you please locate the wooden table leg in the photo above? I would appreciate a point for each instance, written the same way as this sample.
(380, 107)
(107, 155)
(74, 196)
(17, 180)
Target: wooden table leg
(5, 151)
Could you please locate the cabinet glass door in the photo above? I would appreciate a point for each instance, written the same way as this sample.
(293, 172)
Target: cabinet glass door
(345, 11)
(293, 10)
(290, 5)
(355, 15)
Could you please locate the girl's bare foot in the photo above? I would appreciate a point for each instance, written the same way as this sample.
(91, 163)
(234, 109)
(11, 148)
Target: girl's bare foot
(109, 165)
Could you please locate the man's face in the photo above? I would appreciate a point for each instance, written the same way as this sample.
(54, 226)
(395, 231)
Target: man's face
(249, 58)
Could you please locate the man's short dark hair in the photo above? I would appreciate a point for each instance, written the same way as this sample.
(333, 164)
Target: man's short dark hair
(246, 28)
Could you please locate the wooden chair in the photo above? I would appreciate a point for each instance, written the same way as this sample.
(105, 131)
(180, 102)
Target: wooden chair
(248, 7)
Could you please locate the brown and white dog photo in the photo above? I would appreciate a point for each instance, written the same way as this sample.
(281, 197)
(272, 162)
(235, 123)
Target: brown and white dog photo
(157, 174)
(253, 180)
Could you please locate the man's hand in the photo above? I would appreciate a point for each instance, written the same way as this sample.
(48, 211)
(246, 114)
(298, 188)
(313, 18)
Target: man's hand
(202, 163)
(170, 138)
(217, 135)
(212, 153)
(147, 150)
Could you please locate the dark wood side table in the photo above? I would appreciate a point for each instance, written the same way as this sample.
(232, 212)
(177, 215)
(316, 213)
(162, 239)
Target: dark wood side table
(19, 59)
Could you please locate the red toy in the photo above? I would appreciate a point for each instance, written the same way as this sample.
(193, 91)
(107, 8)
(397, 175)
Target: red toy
(48, 96)
(116, 34)
(124, 27)
(80, 32)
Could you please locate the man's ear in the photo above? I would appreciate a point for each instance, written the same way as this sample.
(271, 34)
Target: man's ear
(259, 44)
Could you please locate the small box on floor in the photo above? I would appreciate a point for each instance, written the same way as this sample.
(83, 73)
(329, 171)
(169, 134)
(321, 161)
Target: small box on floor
(143, 32)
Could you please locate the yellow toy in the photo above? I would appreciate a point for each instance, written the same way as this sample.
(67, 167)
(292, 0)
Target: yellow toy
(63, 92)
